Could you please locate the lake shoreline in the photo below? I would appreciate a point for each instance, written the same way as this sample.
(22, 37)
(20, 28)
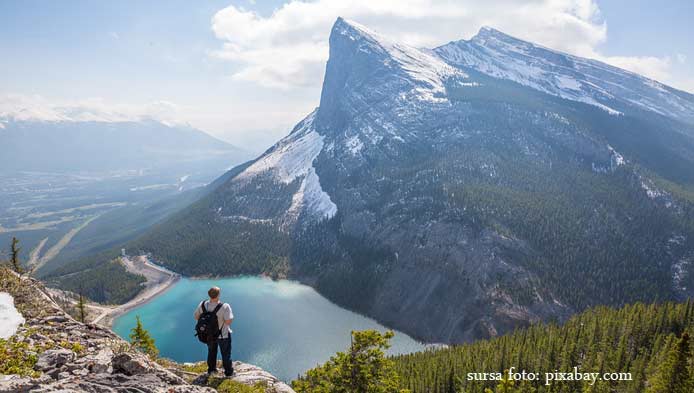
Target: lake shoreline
(159, 280)
(147, 266)
(283, 326)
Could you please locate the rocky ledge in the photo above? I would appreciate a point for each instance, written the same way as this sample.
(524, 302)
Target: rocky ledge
(53, 352)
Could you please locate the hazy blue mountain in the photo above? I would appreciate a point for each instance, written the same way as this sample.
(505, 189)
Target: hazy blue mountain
(93, 146)
(460, 192)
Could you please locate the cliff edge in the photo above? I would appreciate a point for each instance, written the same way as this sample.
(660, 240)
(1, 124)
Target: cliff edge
(51, 351)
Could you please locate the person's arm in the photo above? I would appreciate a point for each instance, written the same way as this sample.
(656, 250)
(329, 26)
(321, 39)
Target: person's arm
(228, 315)
(196, 314)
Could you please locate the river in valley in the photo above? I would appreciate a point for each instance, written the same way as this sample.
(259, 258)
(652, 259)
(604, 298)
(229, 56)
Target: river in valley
(282, 326)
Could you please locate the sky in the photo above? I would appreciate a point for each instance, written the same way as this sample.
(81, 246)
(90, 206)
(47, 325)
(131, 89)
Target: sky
(247, 71)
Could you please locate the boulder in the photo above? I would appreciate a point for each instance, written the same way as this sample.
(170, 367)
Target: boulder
(130, 363)
(99, 362)
(55, 319)
(54, 358)
(250, 375)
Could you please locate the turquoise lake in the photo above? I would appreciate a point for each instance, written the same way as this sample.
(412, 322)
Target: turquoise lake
(282, 326)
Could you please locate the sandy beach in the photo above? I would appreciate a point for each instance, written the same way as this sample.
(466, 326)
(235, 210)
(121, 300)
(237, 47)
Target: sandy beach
(158, 281)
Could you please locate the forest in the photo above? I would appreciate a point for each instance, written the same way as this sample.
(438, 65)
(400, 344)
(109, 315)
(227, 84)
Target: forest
(651, 342)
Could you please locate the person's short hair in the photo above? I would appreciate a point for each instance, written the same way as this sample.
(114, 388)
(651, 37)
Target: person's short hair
(213, 292)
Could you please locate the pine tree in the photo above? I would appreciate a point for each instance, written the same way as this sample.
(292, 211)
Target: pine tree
(14, 256)
(81, 307)
(362, 369)
(141, 340)
(673, 375)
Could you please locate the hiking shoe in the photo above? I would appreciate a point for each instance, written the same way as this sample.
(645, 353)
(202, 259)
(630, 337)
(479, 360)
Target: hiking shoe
(229, 375)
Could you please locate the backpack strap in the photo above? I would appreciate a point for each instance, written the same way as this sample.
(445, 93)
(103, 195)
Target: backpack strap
(217, 308)
(202, 306)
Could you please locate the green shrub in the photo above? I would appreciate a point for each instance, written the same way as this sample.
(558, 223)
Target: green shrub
(17, 358)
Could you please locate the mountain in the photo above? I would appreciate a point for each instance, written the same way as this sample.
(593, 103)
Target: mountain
(461, 192)
(98, 146)
(496, 54)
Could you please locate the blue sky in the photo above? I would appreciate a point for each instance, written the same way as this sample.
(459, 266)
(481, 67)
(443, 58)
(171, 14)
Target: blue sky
(246, 71)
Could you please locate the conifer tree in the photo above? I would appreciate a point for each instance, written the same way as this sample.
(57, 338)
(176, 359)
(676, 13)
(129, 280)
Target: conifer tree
(81, 307)
(362, 369)
(141, 340)
(673, 375)
(14, 256)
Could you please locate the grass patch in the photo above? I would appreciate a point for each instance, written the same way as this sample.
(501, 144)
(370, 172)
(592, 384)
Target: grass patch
(229, 386)
(17, 358)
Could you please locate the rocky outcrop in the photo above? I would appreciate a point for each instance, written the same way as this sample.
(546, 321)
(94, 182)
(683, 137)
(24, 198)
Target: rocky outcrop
(248, 374)
(64, 355)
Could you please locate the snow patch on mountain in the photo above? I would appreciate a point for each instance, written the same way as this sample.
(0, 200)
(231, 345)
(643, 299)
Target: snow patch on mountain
(498, 55)
(617, 159)
(651, 190)
(354, 145)
(312, 198)
(10, 318)
(292, 158)
(501, 65)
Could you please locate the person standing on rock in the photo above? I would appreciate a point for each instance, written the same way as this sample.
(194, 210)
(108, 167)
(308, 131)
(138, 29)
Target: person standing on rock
(213, 328)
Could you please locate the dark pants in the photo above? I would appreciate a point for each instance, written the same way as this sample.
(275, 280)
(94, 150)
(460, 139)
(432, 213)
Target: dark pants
(224, 347)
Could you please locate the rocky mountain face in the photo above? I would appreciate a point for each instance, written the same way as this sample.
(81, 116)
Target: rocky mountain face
(460, 192)
(65, 355)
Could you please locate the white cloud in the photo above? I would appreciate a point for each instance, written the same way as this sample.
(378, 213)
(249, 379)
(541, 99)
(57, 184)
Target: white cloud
(289, 47)
(248, 125)
(681, 58)
(20, 107)
(653, 67)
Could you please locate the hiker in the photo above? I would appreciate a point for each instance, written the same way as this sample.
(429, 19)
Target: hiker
(213, 328)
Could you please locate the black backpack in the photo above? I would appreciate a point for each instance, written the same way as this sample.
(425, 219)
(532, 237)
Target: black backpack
(207, 329)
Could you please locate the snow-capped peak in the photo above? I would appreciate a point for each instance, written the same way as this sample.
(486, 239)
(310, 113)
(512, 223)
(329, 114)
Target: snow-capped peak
(612, 89)
(422, 66)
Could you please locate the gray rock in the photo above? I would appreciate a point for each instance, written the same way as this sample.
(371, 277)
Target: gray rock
(39, 337)
(80, 372)
(130, 364)
(99, 362)
(55, 319)
(54, 358)
(63, 375)
(250, 375)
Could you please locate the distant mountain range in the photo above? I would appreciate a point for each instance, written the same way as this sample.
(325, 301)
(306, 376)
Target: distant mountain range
(462, 191)
(72, 186)
(93, 146)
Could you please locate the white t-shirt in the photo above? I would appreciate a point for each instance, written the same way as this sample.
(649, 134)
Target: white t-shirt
(224, 314)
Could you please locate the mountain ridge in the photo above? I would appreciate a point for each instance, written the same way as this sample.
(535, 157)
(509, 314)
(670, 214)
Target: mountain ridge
(560, 80)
